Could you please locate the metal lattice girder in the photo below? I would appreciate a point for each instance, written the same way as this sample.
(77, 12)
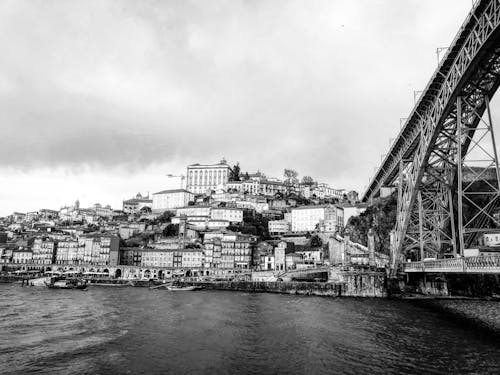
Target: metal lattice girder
(471, 69)
(437, 178)
(478, 182)
(477, 33)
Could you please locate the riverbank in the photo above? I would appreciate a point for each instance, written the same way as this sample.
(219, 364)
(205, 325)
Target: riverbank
(296, 288)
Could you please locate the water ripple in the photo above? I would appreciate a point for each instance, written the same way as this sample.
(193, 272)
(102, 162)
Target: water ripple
(137, 331)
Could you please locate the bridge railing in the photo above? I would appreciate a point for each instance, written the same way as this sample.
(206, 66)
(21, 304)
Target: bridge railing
(477, 264)
(483, 263)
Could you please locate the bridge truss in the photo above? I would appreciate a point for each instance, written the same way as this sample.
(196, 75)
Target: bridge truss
(444, 160)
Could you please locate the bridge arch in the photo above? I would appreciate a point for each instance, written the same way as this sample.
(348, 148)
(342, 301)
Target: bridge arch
(429, 154)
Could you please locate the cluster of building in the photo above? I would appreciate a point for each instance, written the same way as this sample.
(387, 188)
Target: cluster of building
(212, 226)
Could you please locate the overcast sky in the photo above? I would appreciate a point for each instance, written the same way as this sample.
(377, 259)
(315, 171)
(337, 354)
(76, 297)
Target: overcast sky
(101, 99)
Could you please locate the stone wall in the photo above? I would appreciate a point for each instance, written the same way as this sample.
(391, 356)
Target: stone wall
(364, 284)
(301, 288)
(458, 285)
(370, 284)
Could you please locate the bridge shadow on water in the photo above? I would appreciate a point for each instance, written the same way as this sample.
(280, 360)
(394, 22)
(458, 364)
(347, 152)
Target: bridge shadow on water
(474, 315)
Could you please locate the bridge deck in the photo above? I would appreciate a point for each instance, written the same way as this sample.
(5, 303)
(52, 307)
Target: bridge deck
(478, 264)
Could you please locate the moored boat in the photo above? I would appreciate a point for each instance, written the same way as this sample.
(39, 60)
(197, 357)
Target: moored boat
(66, 284)
(39, 281)
(174, 288)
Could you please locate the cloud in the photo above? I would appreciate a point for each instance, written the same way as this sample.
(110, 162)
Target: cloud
(318, 86)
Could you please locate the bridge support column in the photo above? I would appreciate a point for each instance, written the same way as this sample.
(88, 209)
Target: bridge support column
(371, 248)
(346, 255)
(478, 177)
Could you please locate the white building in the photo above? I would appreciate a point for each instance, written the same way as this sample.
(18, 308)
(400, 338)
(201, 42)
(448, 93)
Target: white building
(171, 199)
(43, 251)
(334, 220)
(307, 218)
(278, 227)
(156, 258)
(257, 187)
(491, 239)
(194, 212)
(192, 258)
(268, 262)
(22, 256)
(258, 206)
(203, 178)
(279, 257)
(70, 252)
(233, 215)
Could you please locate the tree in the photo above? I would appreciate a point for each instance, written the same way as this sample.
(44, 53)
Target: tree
(171, 230)
(234, 174)
(290, 179)
(166, 217)
(290, 175)
(307, 180)
(316, 241)
(381, 217)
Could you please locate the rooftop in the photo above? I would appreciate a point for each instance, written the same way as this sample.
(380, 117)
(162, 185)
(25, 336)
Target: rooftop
(312, 207)
(138, 200)
(173, 191)
(198, 165)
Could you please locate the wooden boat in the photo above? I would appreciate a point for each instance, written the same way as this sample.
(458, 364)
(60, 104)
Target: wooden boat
(39, 281)
(67, 284)
(175, 288)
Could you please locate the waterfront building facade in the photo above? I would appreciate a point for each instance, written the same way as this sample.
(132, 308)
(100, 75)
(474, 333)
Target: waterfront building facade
(157, 258)
(70, 252)
(101, 250)
(43, 251)
(131, 256)
(212, 253)
(192, 258)
(236, 253)
(21, 256)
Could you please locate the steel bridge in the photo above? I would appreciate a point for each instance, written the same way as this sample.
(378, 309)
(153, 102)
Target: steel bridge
(444, 161)
(475, 265)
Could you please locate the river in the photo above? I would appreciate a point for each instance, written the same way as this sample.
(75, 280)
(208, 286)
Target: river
(107, 330)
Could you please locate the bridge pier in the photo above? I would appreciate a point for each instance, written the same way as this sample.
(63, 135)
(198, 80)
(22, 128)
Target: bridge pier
(452, 284)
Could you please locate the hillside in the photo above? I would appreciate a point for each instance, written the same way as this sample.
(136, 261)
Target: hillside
(381, 217)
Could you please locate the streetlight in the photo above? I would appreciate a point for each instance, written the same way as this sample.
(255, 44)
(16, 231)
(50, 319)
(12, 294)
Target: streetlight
(402, 120)
(181, 176)
(416, 93)
(438, 52)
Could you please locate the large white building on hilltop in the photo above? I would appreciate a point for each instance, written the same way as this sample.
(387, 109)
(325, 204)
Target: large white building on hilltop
(202, 178)
(171, 199)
